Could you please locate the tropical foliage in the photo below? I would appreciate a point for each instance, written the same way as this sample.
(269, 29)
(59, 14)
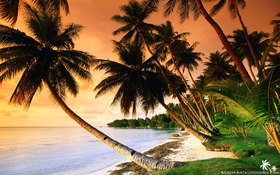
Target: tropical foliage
(157, 121)
(9, 9)
(259, 103)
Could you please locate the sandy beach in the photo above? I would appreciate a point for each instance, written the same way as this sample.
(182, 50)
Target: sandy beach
(192, 149)
(181, 147)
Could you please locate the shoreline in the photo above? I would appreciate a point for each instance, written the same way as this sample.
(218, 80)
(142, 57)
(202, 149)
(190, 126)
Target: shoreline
(181, 147)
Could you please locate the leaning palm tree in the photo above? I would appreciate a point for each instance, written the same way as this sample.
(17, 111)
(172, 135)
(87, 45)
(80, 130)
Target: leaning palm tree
(168, 41)
(141, 29)
(9, 9)
(234, 10)
(196, 6)
(258, 42)
(138, 82)
(49, 59)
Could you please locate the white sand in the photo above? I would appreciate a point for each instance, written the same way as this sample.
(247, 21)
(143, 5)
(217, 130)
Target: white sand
(192, 149)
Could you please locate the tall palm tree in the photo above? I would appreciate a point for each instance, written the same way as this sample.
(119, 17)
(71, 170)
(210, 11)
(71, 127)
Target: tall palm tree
(258, 42)
(138, 82)
(133, 21)
(49, 59)
(234, 10)
(218, 67)
(196, 6)
(9, 9)
(168, 41)
(133, 29)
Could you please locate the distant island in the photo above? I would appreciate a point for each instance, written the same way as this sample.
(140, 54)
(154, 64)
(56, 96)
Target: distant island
(157, 121)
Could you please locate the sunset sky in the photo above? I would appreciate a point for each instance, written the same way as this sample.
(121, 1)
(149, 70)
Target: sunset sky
(96, 38)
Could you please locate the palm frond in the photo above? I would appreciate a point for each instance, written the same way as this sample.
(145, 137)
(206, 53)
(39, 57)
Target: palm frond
(9, 10)
(10, 36)
(240, 101)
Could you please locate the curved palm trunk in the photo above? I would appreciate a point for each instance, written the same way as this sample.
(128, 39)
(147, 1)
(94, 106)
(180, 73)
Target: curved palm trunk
(188, 128)
(203, 104)
(251, 71)
(224, 41)
(187, 86)
(202, 137)
(140, 159)
(246, 36)
(201, 126)
(213, 104)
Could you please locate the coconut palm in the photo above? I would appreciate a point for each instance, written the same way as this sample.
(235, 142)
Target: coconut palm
(47, 58)
(133, 21)
(168, 41)
(273, 66)
(276, 28)
(234, 10)
(9, 9)
(275, 37)
(138, 82)
(218, 67)
(131, 29)
(258, 42)
(196, 6)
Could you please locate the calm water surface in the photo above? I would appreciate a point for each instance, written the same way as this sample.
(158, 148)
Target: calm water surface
(59, 151)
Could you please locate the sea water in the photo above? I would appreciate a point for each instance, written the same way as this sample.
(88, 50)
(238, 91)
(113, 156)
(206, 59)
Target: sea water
(69, 150)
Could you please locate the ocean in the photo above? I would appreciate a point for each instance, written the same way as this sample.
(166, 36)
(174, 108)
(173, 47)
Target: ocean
(69, 150)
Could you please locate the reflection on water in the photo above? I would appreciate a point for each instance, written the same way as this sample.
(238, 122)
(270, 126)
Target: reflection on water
(67, 150)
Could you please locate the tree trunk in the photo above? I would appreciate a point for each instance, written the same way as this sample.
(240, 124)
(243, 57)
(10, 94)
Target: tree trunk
(188, 128)
(203, 104)
(251, 71)
(140, 159)
(202, 137)
(246, 36)
(187, 86)
(224, 41)
(213, 104)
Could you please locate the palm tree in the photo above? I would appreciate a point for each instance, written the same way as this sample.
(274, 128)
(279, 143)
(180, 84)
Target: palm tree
(276, 28)
(273, 66)
(49, 59)
(138, 82)
(274, 39)
(197, 8)
(9, 8)
(234, 10)
(218, 67)
(133, 21)
(240, 45)
(168, 41)
(134, 29)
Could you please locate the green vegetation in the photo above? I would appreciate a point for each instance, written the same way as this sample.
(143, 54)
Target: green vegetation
(251, 153)
(46, 57)
(157, 121)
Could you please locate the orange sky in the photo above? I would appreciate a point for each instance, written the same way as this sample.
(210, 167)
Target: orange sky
(96, 38)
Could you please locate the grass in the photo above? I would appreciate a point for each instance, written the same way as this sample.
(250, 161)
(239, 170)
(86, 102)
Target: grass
(250, 153)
